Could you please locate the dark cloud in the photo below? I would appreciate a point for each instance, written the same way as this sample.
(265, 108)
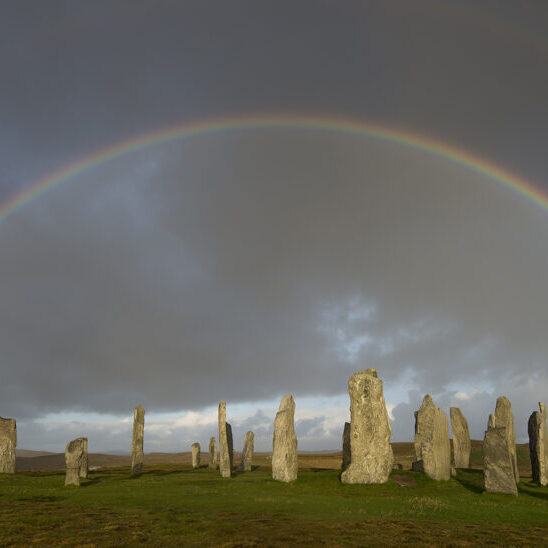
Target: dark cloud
(77, 76)
(247, 265)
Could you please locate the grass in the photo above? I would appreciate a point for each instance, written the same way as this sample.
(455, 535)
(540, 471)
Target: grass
(173, 504)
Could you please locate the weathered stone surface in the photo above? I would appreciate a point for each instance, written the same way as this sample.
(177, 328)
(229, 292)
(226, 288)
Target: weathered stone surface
(284, 443)
(212, 464)
(137, 454)
(230, 442)
(84, 463)
(195, 455)
(371, 456)
(225, 460)
(538, 445)
(504, 418)
(74, 455)
(432, 446)
(346, 451)
(498, 468)
(461, 438)
(247, 453)
(8, 442)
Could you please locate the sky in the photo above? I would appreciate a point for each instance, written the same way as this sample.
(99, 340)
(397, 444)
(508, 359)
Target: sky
(246, 264)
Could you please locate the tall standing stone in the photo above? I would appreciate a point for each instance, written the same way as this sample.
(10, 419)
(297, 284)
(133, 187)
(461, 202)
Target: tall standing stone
(230, 442)
(8, 442)
(284, 443)
(137, 454)
(247, 453)
(346, 450)
(212, 463)
(461, 438)
(74, 455)
(225, 461)
(498, 467)
(371, 455)
(538, 445)
(84, 462)
(432, 446)
(195, 455)
(504, 418)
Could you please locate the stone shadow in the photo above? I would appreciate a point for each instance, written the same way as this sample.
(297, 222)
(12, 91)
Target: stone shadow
(533, 490)
(39, 474)
(164, 472)
(469, 479)
(41, 498)
(158, 473)
(91, 481)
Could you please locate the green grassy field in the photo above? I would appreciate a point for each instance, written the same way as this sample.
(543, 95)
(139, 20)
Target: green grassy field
(173, 504)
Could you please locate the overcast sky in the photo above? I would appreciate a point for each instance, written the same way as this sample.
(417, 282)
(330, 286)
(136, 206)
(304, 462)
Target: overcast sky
(245, 265)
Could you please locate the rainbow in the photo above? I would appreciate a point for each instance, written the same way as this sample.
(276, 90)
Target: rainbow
(459, 156)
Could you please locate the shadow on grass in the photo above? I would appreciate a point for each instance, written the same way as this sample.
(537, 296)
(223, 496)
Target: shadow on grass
(42, 498)
(319, 469)
(533, 490)
(471, 479)
(157, 472)
(92, 481)
(237, 472)
(35, 474)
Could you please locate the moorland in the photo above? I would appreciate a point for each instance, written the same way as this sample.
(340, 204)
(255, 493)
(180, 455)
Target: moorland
(172, 504)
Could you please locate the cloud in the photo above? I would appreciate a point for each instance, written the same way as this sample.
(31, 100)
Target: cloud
(246, 265)
(175, 432)
(241, 271)
(476, 406)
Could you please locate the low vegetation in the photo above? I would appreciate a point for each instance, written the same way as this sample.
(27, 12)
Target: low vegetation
(172, 504)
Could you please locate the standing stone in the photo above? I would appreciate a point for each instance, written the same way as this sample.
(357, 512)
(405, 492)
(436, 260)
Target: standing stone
(84, 463)
(371, 455)
(225, 460)
(247, 453)
(284, 443)
(346, 452)
(8, 442)
(461, 438)
(538, 445)
(498, 467)
(505, 418)
(212, 464)
(195, 455)
(137, 454)
(230, 442)
(432, 446)
(74, 456)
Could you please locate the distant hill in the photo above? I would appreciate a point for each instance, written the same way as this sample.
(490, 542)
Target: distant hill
(31, 453)
(404, 454)
(56, 461)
